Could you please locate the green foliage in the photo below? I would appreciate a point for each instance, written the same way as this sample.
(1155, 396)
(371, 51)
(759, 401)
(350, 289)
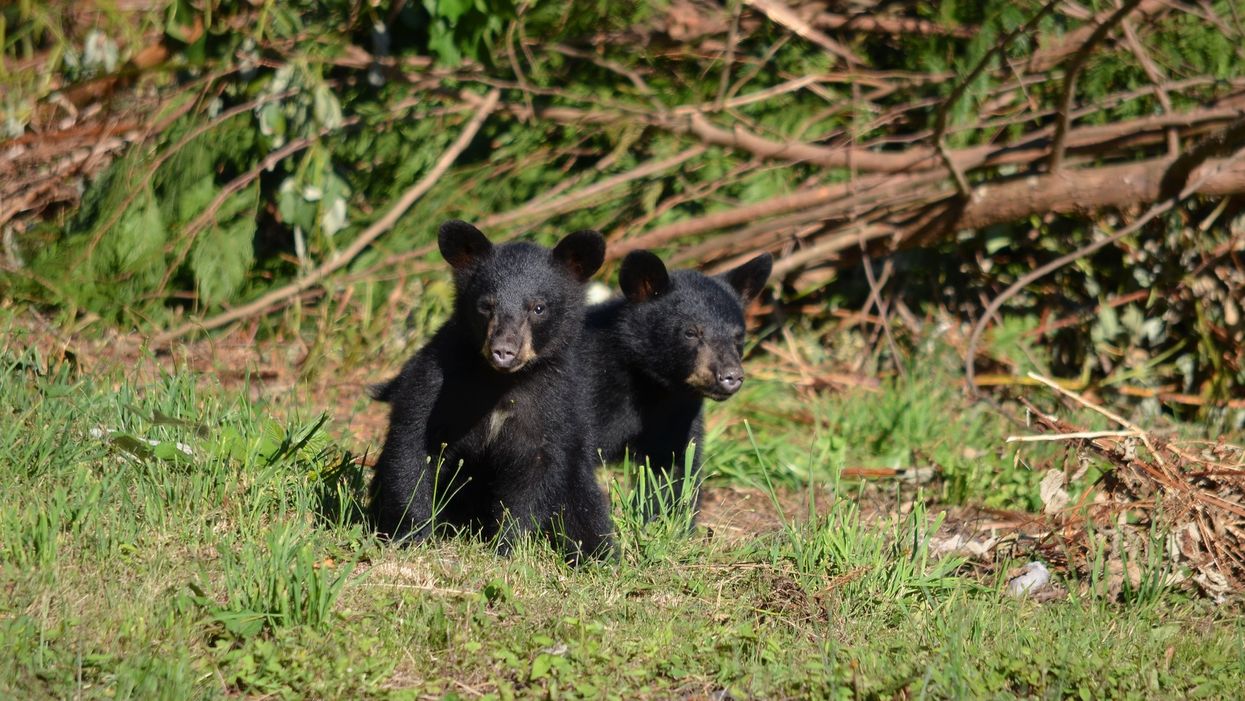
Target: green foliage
(908, 425)
(1192, 47)
(222, 256)
(276, 583)
(657, 509)
(196, 219)
(206, 573)
(460, 29)
(133, 250)
(161, 536)
(126, 229)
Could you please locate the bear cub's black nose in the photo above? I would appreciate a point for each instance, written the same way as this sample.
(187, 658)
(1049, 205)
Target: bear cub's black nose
(504, 356)
(730, 380)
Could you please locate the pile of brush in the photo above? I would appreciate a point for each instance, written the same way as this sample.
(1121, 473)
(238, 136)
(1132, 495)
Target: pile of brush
(1164, 512)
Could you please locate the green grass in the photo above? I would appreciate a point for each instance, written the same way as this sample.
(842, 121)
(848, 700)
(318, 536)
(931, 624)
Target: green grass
(920, 422)
(166, 538)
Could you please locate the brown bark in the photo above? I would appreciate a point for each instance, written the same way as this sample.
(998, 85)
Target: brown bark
(1068, 192)
(880, 187)
(1089, 190)
(889, 25)
(1091, 139)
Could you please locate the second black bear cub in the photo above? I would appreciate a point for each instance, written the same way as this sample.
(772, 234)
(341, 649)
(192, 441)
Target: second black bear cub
(497, 390)
(655, 354)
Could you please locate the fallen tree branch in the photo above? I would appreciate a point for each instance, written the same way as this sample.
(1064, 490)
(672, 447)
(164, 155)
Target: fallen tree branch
(1070, 192)
(1075, 191)
(1080, 192)
(1088, 190)
(776, 205)
(344, 256)
(572, 200)
(889, 25)
(1090, 139)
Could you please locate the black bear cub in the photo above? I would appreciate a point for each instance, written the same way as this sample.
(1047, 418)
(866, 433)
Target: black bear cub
(498, 391)
(656, 353)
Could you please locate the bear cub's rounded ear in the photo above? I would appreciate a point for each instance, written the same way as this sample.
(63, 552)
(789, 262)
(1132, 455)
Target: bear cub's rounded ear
(462, 245)
(643, 277)
(582, 252)
(749, 279)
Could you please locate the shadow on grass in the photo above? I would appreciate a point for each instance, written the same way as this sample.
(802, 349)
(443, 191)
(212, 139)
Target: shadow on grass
(340, 495)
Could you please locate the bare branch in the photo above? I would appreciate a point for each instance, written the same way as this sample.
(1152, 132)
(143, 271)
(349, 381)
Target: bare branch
(944, 110)
(728, 57)
(890, 25)
(576, 199)
(685, 120)
(1075, 64)
(1155, 74)
(781, 14)
(802, 199)
(797, 151)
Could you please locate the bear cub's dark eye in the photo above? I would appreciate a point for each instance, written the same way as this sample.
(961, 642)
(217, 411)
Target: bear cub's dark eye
(485, 306)
(691, 333)
(538, 310)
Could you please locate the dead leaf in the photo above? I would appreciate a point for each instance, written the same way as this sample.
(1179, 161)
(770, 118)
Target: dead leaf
(1054, 496)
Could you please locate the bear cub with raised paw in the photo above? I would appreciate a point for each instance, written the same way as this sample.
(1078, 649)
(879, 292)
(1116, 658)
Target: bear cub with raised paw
(655, 354)
(488, 428)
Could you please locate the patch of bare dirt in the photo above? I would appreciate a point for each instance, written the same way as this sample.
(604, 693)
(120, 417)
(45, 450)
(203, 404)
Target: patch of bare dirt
(740, 513)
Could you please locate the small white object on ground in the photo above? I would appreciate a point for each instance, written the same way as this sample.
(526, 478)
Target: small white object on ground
(1032, 577)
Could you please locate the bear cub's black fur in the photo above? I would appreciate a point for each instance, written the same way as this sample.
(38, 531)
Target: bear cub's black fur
(656, 353)
(498, 390)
